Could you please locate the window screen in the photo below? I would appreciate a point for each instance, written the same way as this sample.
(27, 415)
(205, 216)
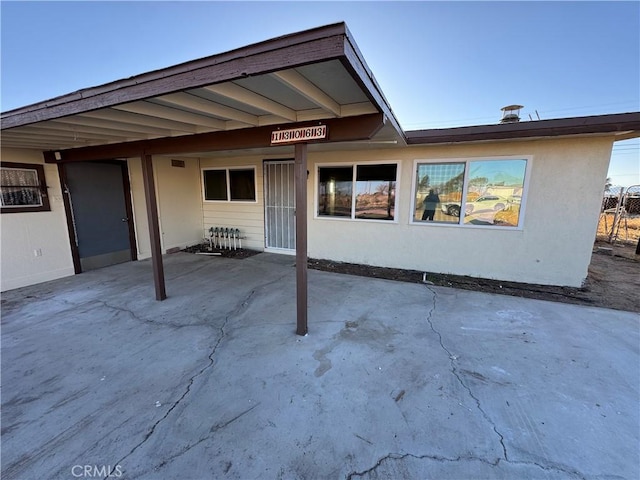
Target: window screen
(492, 194)
(439, 192)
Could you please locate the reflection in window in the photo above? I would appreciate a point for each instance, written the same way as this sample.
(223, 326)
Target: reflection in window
(23, 188)
(375, 191)
(439, 192)
(494, 192)
(491, 195)
(368, 192)
(335, 191)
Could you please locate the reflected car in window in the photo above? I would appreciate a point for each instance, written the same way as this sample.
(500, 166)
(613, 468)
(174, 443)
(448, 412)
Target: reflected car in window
(450, 208)
(485, 202)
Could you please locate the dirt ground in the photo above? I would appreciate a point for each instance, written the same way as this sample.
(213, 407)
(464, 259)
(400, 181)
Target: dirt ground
(613, 280)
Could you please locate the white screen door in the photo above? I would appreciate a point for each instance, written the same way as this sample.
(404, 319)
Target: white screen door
(279, 192)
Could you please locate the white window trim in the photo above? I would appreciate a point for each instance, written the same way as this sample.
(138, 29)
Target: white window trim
(227, 169)
(353, 218)
(466, 161)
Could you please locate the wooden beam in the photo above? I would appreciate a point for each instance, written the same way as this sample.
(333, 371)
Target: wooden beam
(301, 237)
(114, 115)
(66, 127)
(169, 113)
(154, 226)
(362, 127)
(186, 100)
(81, 120)
(317, 45)
(252, 99)
(292, 79)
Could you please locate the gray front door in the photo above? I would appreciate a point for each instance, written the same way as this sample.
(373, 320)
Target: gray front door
(279, 205)
(99, 207)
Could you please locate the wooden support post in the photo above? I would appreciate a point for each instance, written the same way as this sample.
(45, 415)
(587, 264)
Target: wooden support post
(301, 237)
(154, 227)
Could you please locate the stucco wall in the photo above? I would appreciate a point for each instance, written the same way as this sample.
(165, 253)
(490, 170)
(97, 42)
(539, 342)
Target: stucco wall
(25, 233)
(179, 204)
(565, 186)
(554, 245)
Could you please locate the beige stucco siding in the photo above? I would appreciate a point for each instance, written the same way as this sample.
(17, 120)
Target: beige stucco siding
(179, 204)
(23, 234)
(553, 245)
(565, 186)
(248, 217)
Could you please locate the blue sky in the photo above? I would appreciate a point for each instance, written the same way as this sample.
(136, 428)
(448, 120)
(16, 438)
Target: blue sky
(440, 64)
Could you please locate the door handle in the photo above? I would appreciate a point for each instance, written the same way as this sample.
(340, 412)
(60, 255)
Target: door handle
(125, 219)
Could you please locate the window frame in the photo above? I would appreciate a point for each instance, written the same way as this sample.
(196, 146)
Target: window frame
(465, 187)
(42, 181)
(228, 185)
(354, 167)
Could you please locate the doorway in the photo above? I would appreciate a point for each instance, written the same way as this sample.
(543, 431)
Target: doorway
(98, 203)
(279, 206)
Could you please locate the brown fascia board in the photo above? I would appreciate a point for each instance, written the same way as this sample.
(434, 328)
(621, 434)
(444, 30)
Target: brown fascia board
(288, 51)
(345, 129)
(354, 62)
(610, 123)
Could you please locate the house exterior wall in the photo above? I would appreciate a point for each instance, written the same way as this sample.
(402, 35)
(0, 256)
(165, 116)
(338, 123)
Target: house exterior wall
(248, 217)
(554, 245)
(179, 204)
(23, 234)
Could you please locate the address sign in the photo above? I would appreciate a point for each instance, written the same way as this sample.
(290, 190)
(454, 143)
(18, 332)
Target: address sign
(303, 134)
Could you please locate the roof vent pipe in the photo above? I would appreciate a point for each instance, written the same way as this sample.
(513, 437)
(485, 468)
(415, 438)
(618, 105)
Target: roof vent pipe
(511, 114)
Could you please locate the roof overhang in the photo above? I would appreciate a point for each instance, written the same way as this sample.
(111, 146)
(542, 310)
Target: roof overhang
(621, 125)
(301, 79)
(227, 104)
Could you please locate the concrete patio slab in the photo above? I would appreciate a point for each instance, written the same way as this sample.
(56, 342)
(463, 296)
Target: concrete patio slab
(394, 380)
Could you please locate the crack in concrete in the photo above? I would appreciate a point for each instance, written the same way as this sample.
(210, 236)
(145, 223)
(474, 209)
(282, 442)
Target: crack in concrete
(242, 305)
(135, 316)
(553, 467)
(402, 456)
(222, 425)
(454, 370)
(190, 446)
(189, 272)
(462, 458)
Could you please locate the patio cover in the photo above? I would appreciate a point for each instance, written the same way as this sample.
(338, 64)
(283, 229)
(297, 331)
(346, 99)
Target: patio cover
(233, 101)
(226, 102)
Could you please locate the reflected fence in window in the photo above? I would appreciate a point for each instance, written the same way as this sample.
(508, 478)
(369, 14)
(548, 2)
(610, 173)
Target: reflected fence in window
(473, 192)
